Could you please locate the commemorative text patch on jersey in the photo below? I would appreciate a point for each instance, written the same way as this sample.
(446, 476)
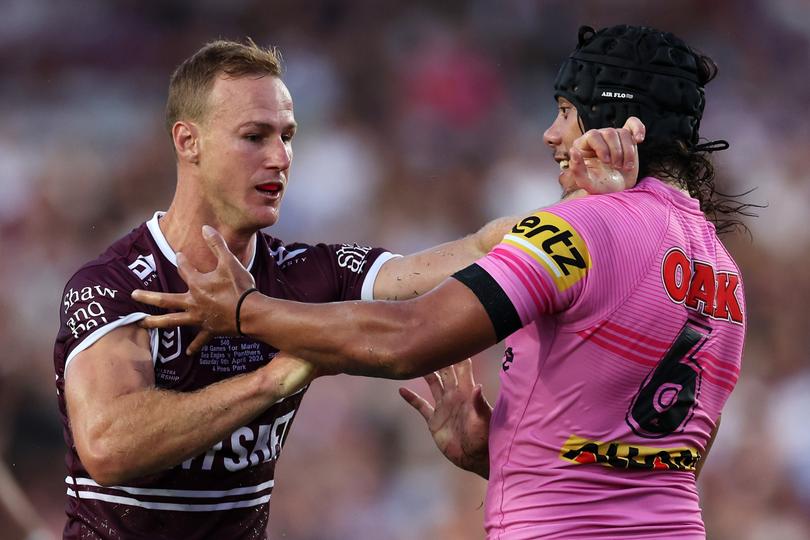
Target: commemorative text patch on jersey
(555, 244)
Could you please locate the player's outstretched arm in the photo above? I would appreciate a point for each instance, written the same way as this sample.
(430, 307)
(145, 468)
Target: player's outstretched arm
(395, 340)
(380, 339)
(124, 428)
(459, 418)
(602, 161)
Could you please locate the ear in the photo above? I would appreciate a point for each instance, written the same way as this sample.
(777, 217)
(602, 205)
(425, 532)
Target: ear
(186, 138)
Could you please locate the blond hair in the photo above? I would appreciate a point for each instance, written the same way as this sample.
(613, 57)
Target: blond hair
(191, 82)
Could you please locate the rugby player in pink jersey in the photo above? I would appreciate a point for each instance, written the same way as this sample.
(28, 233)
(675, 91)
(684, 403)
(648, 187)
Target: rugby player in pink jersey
(623, 316)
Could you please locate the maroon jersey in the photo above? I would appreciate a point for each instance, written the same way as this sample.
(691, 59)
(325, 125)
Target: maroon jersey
(224, 492)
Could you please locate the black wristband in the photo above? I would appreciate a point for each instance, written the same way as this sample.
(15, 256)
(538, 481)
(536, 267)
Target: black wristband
(239, 307)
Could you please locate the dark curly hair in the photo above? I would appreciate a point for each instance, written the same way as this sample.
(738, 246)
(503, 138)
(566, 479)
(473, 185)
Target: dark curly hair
(690, 167)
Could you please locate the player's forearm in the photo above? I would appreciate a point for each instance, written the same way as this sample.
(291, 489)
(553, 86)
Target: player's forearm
(334, 339)
(152, 430)
(375, 339)
(414, 275)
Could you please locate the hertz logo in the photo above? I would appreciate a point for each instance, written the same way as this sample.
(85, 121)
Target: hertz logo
(555, 244)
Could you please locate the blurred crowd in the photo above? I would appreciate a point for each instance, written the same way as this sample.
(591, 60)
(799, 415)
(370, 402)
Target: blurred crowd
(419, 121)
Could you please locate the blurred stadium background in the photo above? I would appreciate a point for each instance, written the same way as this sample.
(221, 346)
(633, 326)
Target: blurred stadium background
(419, 121)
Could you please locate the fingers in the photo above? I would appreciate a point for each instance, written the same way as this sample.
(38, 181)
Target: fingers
(435, 385)
(186, 270)
(169, 320)
(216, 243)
(614, 147)
(592, 143)
(162, 300)
(577, 167)
(605, 144)
(629, 149)
(199, 341)
(480, 403)
(636, 128)
(464, 374)
(417, 402)
(448, 377)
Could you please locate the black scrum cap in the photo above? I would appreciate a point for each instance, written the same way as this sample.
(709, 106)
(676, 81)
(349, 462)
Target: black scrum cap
(624, 71)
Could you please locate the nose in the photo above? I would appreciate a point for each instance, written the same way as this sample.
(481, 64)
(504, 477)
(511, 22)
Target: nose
(279, 155)
(551, 136)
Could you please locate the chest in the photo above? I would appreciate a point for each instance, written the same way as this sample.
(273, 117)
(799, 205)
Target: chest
(224, 357)
(219, 359)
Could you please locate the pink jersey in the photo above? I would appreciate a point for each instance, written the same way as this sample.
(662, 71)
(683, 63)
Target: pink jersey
(631, 318)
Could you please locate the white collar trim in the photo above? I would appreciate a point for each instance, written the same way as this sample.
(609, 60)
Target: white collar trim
(166, 249)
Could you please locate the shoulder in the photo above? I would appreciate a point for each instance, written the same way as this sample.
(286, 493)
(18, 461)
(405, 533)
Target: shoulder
(126, 262)
(351, 256)
(636, 216)
(648, 197)
(96, 299)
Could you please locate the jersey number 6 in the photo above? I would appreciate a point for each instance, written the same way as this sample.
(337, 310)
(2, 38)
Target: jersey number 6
(666, 400)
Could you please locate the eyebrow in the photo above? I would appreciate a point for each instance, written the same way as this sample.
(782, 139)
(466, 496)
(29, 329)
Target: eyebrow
(268, 126)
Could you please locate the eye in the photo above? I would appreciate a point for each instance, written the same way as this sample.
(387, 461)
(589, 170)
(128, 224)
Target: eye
(564, 109)
(253, 137)
(287, 137)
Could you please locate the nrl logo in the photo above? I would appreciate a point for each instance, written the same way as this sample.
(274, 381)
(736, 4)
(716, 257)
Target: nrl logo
(169, 346)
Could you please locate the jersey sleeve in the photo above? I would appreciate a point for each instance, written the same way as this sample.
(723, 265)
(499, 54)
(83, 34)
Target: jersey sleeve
(352, 269)
(540, 268)
(96, 301)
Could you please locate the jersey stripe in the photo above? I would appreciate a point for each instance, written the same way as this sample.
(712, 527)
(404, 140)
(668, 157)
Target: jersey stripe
(167, 506)
(624, 353)
(367, 290)
(101, 332)
(186, 493)
(521, 272)
(536, 253)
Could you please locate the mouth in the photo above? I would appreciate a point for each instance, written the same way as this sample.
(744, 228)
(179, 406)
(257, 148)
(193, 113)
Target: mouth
(272, 189)
(564, 163)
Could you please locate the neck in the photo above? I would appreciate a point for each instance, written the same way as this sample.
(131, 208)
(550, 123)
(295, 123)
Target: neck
(182, 227)
(673, 182)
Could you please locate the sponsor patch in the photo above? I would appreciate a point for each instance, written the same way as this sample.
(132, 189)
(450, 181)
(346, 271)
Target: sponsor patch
(555, 244)
(701, 288)
(353, 257)
(143, 266)
(629, 456)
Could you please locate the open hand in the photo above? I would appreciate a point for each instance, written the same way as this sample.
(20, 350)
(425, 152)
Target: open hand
(606, 160)
(210, 302)
(459, 421)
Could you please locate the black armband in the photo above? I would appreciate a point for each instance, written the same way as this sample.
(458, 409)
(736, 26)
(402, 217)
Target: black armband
(501, 312)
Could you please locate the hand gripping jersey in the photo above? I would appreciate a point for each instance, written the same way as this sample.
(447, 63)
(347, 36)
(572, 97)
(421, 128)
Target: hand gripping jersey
(224, 492)
(631, 322)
